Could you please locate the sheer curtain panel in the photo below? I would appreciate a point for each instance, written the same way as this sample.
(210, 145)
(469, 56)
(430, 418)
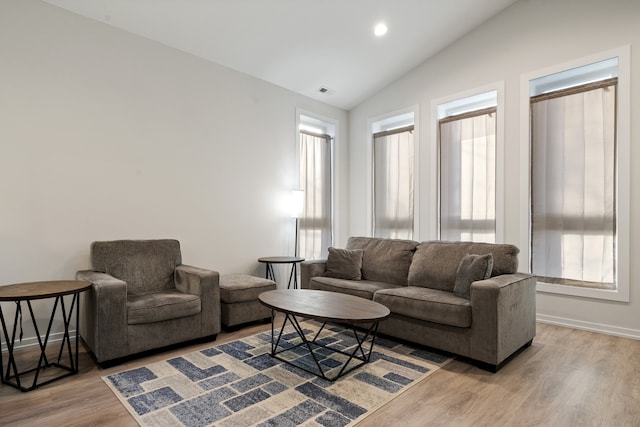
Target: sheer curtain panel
(468, 177)
(393, 157)
(573, 185)
(315, 180)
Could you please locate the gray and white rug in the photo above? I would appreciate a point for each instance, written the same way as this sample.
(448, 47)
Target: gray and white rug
(240, 384)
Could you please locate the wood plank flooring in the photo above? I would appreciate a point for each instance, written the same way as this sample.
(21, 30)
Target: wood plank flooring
(566, 378)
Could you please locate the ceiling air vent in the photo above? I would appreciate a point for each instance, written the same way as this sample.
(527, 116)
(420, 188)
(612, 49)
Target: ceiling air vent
(325, 90)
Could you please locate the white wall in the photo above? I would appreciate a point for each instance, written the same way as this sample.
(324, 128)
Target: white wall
(106, 135)
(528, 36)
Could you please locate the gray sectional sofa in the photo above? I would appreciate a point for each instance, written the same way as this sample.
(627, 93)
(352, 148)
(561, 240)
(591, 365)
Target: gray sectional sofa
(461, 297)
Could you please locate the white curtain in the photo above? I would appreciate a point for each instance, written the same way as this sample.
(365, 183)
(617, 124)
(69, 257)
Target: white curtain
(393, 155)
(573, 187)
(315, 180)
(468, 177)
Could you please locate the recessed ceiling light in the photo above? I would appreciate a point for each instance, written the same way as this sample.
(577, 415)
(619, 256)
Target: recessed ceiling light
(380, 29)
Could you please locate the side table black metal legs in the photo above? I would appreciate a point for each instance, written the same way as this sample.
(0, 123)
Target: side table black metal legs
(10, 374)
(293, 276)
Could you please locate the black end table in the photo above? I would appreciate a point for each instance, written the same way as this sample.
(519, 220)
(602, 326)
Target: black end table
(28, 292)
(294, 260)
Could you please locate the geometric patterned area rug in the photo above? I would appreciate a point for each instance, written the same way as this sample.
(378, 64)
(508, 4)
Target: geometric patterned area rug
(239, 384)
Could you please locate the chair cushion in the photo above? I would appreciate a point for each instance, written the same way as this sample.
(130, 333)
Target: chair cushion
(160, 306)
(427, 304)
(344, 264)
(243, 288)
(146, 265)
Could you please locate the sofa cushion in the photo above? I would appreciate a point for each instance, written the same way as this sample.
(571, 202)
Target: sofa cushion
(360, 288)
(344, 264)
(160, 306)
(384, 260)
(146, 265)
(426, 304)
(435, 263)
(505, 256)
(472, 267)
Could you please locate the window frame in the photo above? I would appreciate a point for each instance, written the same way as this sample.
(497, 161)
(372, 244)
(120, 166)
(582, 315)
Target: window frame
(623, 131)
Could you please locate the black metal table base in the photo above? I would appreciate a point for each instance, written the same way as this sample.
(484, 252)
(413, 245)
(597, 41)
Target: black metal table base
(358, 353)
(293, 275)
(10, 375)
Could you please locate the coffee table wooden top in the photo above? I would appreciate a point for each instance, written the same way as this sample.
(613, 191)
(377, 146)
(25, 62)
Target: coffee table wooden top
(39, 290)
(324, 305)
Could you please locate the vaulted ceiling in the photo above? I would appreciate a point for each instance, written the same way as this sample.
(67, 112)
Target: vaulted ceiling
(301, 45)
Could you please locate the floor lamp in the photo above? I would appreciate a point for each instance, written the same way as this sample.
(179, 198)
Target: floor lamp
(297, 210)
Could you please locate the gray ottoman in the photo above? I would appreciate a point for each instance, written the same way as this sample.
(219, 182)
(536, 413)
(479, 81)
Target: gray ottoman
(239, 299)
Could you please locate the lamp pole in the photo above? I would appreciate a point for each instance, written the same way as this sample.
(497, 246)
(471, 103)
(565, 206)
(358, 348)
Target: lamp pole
(296, 243)
(297, 210)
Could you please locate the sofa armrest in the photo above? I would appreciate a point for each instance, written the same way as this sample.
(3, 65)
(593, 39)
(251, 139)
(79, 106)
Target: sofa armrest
(309, 269)
(206, 284)
(103, 320)
(503, 316)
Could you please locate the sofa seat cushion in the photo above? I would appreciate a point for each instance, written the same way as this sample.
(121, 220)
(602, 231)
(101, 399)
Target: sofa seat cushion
(359, 288)
(427, 304)
(160, 306)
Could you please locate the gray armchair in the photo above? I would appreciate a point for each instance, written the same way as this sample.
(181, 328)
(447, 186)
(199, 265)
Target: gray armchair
(144, 298)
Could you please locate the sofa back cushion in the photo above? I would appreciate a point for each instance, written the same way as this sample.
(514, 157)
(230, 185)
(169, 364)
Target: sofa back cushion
(146, 265)
(435, 263)
(384, 260)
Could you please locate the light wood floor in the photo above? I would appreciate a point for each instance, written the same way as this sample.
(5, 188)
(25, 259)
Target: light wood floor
(566, 378)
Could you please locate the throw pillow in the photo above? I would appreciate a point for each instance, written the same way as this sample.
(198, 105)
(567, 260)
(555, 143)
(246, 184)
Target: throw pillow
(472, 267)
(344, 264)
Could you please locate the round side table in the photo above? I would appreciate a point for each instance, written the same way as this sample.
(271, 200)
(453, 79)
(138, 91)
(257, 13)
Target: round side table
(293, 276)
(27, 292)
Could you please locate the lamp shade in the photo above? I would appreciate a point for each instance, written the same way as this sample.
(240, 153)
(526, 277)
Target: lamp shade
(297, 204)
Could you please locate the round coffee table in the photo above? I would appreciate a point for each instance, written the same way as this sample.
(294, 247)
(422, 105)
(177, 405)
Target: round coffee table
(325, 307)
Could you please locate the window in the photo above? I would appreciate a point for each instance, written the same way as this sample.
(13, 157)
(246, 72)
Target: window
(579, 177)
(315, 148)
(393, 178)
(573, 186)
(467, 147)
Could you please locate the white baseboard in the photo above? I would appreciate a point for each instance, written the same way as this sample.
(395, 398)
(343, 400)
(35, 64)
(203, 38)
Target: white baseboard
(33, 341)
(589, 326)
